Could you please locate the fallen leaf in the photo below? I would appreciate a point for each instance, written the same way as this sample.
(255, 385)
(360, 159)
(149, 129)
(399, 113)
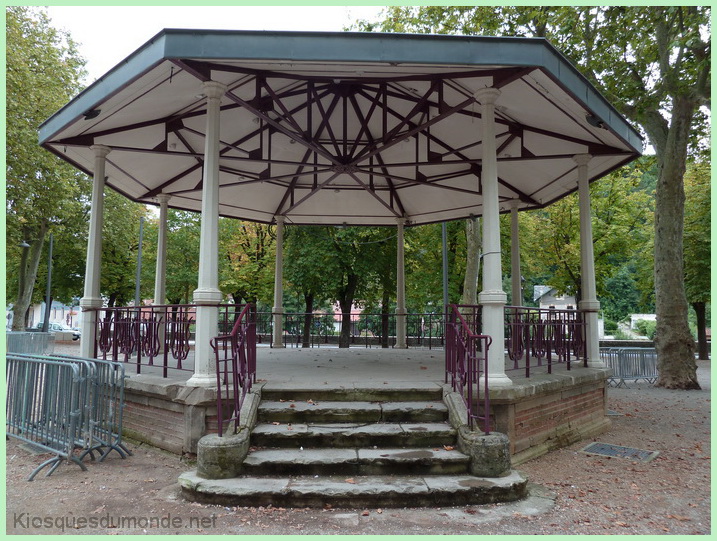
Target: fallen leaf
(365, 514)
(351, 481)
(379, 511)
(448, 448)
(276, 423)
(424, 368)
(292, 405)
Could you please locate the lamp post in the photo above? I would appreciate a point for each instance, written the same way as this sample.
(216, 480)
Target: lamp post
(48, 292)
(21, 287)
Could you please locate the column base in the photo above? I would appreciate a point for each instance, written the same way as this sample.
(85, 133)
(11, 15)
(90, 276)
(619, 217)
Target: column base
(202, 380)
(498, 380)
(596, 364)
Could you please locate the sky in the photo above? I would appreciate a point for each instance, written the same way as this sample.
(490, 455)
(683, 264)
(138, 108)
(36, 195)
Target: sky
(108, 34)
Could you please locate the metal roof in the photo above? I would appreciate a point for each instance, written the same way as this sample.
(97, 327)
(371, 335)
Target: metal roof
(333, 128)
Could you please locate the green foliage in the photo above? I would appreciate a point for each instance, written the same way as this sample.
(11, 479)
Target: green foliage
(646, 328)
(120, 242)
(697, 229)
(43, 194)
(620, 220)
(247, 253)
(183, 231)
(610, 326)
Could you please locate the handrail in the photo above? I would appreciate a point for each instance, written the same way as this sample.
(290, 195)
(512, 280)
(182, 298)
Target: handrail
(235, 355)
(466, 361)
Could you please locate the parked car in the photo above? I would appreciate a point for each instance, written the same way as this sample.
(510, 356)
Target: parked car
(58, 327)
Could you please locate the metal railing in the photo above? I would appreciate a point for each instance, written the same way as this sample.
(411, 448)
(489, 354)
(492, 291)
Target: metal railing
(235, 355)
(541, 334)
(423, 330)
(467, 362)
(157, 335)
(630, 364)
(65, 404)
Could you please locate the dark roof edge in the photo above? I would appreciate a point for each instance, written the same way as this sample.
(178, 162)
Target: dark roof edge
(302, 46)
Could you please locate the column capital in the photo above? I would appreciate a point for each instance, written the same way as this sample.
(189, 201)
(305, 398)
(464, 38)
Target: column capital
(582, 159)
(280, 219)
(487, 95)
(101, 150)
(163, 198)
(213, 89)
(401, 220)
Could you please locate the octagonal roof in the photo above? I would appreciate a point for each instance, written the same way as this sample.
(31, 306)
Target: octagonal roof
(342, 128)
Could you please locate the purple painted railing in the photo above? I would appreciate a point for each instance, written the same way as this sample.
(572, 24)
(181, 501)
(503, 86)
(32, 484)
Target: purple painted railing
(236, 367)
(467, 362)
(544, 334)
(152, 336)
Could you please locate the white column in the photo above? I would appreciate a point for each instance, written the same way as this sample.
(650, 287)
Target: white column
(588, 302)
(516, 285)
(91, 297)
(492, 298)
(400, 287)
(278, 309)
(207, 295)
(160, 272)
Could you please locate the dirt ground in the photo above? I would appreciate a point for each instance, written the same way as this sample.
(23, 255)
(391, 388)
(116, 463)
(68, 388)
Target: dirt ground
(574, 493)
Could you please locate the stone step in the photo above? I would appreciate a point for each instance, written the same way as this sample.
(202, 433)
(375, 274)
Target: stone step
(292, 411)
(396, 393)
(437, 461)
(353, 435)
(354, 492)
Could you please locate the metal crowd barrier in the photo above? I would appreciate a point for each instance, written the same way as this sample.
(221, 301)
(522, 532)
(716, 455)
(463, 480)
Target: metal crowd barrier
(630, 364)
(69, 406)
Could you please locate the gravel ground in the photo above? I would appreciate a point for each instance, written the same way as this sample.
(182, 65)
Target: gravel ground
(572, 492)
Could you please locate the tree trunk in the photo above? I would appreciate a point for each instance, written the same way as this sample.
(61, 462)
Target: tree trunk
(385, 317)
(473, 246)
(703, 349)
(673, 340)
(308, 318)
(345, 302)
(29, 263)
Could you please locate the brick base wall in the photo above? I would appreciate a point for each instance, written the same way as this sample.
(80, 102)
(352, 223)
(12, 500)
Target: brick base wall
(552, 416)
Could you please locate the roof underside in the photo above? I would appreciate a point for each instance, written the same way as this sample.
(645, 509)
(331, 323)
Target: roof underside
(339, 128)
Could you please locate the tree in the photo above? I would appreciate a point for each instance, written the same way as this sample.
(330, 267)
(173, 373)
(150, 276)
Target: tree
(120, 243)
(183, 233)
(306, 248)
(473, 248)
(654, 65)
(43, 72)
(620, 212)
(697, 247)
(247, 255)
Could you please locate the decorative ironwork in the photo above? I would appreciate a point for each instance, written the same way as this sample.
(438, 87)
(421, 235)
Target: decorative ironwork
(544, 334)
(235, 366)
(467, 362)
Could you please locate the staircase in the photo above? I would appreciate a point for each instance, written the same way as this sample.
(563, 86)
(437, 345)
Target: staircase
(353, 448)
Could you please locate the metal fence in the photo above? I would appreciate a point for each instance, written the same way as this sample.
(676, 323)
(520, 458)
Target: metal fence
(423, 330)
(630, 364)
(38, 343)
(68, 406)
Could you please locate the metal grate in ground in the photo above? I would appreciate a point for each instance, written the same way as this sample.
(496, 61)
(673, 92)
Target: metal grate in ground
(618, 451)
